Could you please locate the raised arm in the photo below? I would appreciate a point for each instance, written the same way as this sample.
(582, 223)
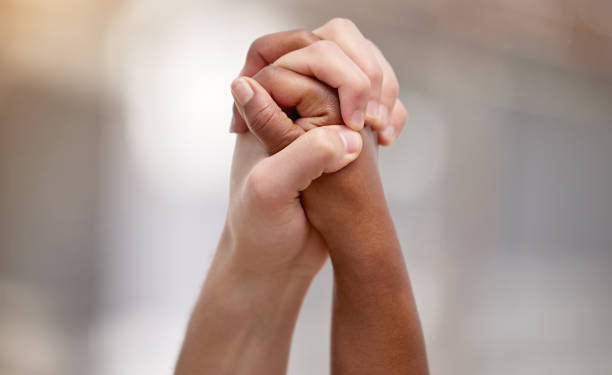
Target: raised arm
(375, 324)
(267, 256)
(375, 328)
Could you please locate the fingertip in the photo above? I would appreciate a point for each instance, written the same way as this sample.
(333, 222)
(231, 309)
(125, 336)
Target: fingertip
(383, 114)
(398, 117)
(357, 120)
(237, 124)
(381, 121)
(372, 111)
(242, 91)
(352, 141)
(387, 136)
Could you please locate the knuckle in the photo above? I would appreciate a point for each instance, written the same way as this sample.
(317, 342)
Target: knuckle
(371, 43)
(262, 117)
(266, 74)
(323, 141)
(255, 47)
(324, 46)
(341, 23)
(363, 85)
(305, 37)
(374, 71)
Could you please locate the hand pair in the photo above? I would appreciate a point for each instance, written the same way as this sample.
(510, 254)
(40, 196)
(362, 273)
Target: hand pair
(305, 186)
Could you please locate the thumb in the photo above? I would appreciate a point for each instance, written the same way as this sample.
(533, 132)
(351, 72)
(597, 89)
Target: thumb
(263, 116)
(279, 178)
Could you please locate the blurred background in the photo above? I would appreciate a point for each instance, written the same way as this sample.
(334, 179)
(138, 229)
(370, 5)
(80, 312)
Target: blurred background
(114, 158)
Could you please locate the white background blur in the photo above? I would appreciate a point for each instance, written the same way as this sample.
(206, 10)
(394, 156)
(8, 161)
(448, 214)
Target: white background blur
(115, 152)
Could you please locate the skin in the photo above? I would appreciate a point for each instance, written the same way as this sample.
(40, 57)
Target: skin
(269, 252)
(245, 316)
(373, 299)
(375, 327)
(383, 87)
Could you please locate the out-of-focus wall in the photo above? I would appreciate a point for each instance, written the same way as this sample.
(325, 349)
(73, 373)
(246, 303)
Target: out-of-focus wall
(114, 158)
(52, 118)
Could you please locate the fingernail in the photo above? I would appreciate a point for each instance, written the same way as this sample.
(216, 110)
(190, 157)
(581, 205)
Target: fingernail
(242, 91)
(389, 133)
(383, 114)
(357, 119)
(372, 109)
(352, 140)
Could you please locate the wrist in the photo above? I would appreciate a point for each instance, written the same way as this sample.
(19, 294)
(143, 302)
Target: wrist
(243, 321)
(260, 260)
(237, 286)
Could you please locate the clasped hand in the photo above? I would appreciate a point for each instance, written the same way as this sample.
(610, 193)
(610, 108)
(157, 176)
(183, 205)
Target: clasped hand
(304, 187)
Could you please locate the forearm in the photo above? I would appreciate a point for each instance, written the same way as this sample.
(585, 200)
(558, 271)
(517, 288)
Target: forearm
(375, 327)
(242, 323)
